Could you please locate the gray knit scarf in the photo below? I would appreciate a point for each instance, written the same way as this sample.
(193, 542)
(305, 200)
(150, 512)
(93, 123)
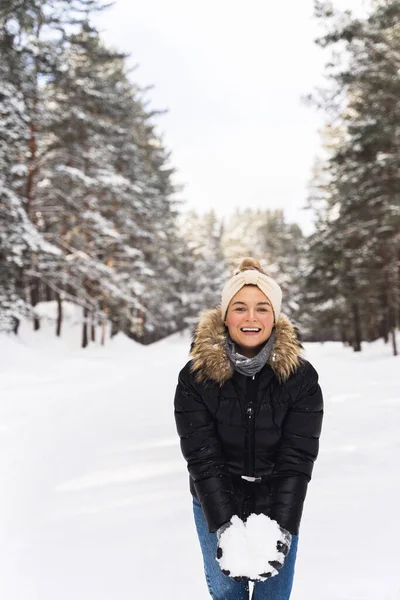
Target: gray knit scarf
(249, 366)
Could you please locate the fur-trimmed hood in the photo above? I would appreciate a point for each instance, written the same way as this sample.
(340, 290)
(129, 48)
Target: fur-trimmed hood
(210, 358)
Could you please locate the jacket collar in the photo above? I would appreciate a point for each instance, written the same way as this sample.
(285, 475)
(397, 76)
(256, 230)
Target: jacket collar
(210, 359)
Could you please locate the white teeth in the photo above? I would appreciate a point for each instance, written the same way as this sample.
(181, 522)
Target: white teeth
(251, 329)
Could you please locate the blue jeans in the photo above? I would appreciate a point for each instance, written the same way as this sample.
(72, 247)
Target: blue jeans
(222, 587)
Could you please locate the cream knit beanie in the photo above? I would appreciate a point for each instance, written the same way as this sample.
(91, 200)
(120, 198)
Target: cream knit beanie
(250, 273)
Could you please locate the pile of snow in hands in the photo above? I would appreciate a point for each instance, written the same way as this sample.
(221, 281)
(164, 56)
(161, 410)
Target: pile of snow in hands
(248, 547)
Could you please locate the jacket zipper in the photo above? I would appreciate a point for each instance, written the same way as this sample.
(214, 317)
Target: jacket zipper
(250, 426)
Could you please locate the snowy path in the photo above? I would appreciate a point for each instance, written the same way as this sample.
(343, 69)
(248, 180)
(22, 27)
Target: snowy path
(94, 494)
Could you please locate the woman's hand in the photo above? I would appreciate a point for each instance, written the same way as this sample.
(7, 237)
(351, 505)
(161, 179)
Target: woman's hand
(282, 546)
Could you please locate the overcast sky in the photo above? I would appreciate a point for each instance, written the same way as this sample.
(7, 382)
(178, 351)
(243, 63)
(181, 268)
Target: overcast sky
(232, 75)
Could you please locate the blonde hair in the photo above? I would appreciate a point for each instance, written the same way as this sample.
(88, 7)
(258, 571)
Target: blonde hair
(249, 264)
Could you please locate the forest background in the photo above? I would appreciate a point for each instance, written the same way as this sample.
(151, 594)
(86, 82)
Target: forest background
(90, 213)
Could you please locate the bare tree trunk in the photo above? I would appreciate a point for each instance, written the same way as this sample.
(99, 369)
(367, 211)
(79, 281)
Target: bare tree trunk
(385, 329)
(93, 330)
(59, 315)
(391, 312)
(103, 331)
(16, 323)
(104, 322)
(85, 328)
(394, 342)
(392, 322)
(357, 328)
(34, 297)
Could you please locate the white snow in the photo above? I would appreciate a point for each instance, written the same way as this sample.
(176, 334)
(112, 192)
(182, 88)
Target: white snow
(94, 491)
(248, 547)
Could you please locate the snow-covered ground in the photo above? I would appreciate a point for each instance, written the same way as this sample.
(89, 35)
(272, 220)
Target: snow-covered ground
(94, 498)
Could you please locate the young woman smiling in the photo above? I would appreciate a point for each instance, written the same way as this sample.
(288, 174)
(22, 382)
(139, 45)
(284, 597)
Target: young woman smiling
(248, 411)
(250, 320)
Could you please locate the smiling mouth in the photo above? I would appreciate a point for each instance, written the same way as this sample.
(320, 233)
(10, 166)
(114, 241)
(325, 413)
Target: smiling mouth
(250, 330)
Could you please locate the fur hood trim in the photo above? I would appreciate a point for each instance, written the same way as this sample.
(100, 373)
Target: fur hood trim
(210, 359)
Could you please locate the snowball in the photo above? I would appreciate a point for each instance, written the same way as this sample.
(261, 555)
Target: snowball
(248, 547)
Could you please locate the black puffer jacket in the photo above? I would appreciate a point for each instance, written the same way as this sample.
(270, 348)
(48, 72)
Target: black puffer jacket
(232, 425)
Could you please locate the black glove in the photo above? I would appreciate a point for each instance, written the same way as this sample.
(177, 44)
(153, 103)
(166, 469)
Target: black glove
(283, 547)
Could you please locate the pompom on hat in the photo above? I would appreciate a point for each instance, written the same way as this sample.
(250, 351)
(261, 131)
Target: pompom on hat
(251, 273)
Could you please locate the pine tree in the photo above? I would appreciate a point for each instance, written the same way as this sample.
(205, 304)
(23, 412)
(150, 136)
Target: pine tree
(94, 180)
(80, 192)
(18, 236)
(364, 165)
(31, 38)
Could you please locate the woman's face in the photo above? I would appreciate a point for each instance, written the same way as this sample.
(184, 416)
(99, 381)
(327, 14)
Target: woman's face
(249, 319)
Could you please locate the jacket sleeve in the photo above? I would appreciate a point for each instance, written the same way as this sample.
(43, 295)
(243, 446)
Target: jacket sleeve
(202, 450)
(297, 452)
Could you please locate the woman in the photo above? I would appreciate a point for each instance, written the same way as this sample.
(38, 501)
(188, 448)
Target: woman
(248, 410)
